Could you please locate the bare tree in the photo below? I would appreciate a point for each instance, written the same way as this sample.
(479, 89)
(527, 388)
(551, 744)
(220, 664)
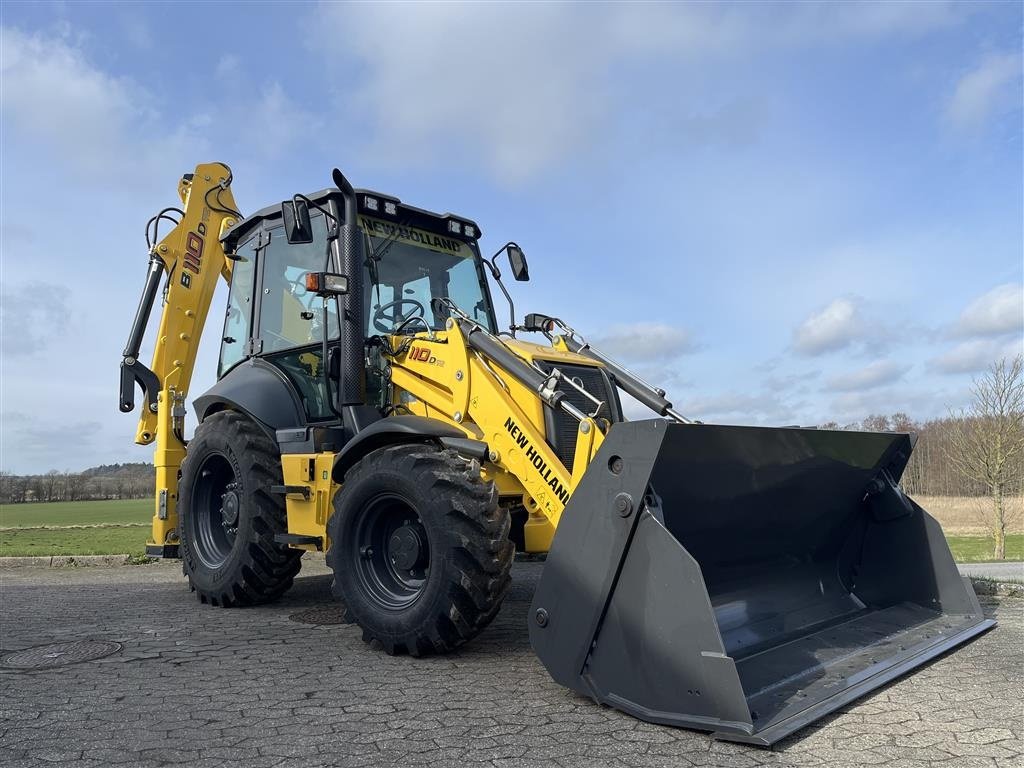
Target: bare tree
(6, 487)
(75, 484)
(50, 482)
(986, 443)
(901, 422)
(876, 422)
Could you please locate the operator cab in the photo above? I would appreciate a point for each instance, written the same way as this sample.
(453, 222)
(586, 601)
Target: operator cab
(412, 258)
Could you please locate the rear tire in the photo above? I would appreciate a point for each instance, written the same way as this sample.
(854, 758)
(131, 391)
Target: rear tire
(419, 548)
(228, 517)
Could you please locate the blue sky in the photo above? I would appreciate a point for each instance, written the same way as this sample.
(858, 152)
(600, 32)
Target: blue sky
(785, 213)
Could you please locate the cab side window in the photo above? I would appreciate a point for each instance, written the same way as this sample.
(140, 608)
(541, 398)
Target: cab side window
(291, 316)
(238, 322)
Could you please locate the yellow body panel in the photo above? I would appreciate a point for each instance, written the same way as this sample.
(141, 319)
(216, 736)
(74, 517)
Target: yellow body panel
(194, 259)
(438, 376)
(307, 516)
(443, 378)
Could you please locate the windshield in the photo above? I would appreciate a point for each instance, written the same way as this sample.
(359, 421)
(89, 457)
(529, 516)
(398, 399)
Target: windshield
(408, 267)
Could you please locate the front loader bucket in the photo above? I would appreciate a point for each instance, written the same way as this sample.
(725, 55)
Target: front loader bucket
(745, 580)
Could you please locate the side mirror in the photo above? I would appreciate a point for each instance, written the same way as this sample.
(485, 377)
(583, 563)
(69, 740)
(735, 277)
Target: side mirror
(297, 226)
(517, 260)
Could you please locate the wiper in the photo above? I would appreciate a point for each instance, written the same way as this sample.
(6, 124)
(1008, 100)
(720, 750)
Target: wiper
(380, 252)
(385, 245)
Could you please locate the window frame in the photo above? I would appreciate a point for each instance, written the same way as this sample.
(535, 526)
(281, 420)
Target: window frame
(257, 277)
(270, 231)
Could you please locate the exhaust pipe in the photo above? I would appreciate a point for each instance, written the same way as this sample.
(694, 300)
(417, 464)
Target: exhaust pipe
(350, 258)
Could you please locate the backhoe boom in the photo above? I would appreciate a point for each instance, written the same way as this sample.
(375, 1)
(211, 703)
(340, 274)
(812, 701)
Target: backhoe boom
(192, 258)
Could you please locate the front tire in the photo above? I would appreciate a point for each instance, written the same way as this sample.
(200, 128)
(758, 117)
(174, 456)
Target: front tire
(419, 548)
(228, 516)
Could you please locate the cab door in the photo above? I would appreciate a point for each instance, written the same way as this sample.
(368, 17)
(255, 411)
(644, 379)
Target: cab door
(271, 314)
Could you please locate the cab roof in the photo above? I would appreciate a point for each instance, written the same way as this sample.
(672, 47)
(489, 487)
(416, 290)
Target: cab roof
(332, 199)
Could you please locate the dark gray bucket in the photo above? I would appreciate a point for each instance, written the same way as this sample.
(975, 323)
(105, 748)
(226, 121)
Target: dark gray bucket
(745, 580)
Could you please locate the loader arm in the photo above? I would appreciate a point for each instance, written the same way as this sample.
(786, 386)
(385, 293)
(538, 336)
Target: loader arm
(192, 259)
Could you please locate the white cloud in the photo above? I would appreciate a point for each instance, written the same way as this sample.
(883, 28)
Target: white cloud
(836, 326)
(976, 355)
(645, 342)
(51, 93)
(136, 29)
(433, 78)
(53, 96)
(988, 88)
(874, 20)
(42, 443)
(282, 121)
(733, 407)
(920, 398)
(874, 375)
(998, 312)
(33, 316)
(228, 67)
(788, 383)
(730, 403)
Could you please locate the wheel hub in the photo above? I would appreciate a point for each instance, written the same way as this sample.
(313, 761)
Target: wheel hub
(406, 548)
(229, 507)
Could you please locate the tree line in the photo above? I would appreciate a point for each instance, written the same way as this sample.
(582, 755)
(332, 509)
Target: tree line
(977, 451)
(931, 472)
(108, 481)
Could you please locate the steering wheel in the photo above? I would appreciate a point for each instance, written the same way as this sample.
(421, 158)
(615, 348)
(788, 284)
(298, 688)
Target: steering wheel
(397, 318)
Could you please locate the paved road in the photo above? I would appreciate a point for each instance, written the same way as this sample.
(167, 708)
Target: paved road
(1011, 571)
(204, 686)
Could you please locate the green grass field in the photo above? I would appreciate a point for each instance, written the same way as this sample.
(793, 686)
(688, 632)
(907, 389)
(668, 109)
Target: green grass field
(115, 538)
(978, 549)
(75, 541)
(76, 513)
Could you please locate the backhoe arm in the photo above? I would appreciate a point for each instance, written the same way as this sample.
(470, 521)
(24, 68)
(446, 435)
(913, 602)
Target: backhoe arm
(192, 258)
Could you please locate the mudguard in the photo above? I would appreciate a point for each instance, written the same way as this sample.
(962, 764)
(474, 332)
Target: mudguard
(391, 431)
(258, 389)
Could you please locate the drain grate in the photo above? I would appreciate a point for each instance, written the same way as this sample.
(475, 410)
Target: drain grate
(322, 615)
(58, 654)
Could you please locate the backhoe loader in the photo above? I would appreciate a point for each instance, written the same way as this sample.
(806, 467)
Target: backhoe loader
(740, 580)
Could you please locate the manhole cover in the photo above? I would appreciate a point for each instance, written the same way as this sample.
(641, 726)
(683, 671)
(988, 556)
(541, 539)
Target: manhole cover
(58, 654)
(321, 615)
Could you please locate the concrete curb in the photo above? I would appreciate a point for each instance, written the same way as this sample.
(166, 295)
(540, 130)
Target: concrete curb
(64, 561)
(982, 586)
(997, 588)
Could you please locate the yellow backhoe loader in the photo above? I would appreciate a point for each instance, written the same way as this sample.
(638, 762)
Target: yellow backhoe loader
(740, 580)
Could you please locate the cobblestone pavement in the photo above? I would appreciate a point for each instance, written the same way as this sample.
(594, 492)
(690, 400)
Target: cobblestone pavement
(1013, 571)
(205, 686)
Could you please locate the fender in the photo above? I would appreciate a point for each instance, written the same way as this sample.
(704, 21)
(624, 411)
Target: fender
(394, 430)
(259, 390)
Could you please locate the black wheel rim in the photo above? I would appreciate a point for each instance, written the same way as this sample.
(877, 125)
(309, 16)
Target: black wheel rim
(215, 510)
(391, 552)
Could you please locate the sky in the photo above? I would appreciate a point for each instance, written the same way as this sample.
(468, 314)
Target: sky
(783, 214)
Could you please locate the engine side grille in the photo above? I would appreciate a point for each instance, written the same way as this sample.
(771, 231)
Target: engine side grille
(562, 429)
